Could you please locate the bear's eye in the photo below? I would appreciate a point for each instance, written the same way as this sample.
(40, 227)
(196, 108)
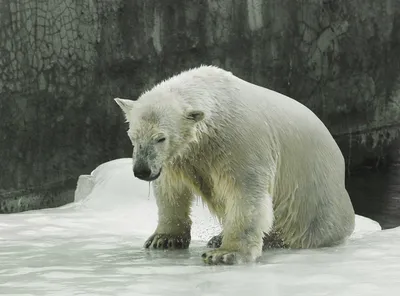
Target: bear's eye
(160, 140)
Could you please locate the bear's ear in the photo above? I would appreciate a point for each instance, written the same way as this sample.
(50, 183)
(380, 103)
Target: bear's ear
(195, 115)
(126, 105)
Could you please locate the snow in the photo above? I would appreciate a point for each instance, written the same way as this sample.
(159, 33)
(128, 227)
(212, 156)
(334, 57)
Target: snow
(94, 247)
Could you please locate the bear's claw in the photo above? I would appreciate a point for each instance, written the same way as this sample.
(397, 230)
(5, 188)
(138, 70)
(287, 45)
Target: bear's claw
(167, 241)
(219, 256)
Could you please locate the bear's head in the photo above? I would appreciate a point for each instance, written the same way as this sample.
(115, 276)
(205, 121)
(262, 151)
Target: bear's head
(159, 131)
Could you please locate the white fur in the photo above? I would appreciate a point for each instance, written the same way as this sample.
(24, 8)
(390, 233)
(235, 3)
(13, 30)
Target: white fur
(259, 159)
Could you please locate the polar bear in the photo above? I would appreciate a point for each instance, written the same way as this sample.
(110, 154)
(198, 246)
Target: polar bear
(265, 165)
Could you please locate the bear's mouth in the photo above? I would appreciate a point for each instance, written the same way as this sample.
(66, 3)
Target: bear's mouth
(152, 178)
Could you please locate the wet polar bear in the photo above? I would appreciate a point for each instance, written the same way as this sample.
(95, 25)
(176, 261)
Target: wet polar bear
(265, 165)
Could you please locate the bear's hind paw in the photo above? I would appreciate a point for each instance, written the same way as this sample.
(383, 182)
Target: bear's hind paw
(219, 256)
(167, 241)
(215, 242)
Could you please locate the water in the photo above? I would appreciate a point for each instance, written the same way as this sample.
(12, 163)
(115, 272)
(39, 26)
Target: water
(376, 194)
(94, 247)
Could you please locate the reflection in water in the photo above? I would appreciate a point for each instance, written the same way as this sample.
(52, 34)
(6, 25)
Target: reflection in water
(376, 194)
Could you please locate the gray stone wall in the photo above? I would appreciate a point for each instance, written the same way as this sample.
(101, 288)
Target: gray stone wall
(62, 62)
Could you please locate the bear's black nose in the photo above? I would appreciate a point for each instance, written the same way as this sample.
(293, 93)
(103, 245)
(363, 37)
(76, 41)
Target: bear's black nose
(142, 172)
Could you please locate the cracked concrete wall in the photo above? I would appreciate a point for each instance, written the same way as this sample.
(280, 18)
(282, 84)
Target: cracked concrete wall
(62, 62)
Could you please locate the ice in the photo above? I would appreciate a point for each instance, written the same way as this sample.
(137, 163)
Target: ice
(94, 247)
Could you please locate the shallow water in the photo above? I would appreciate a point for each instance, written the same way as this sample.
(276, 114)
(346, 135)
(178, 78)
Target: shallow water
(376, 194)
(94, 247)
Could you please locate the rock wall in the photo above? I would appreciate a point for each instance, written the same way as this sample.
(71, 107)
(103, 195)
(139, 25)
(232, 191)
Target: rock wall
(62, 62)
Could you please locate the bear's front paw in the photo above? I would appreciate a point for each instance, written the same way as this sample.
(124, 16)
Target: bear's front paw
(167, 241)
(220, 256)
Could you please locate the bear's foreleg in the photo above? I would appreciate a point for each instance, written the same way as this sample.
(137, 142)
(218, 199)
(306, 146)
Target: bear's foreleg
(247, 217)
(174, 223)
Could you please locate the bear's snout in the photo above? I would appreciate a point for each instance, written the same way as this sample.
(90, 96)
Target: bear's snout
(143, 172)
